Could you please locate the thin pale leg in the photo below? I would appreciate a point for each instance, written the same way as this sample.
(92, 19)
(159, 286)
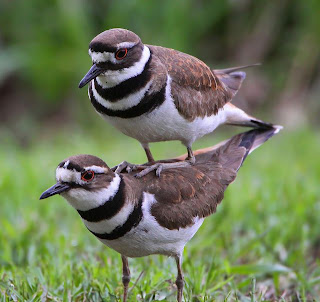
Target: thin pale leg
(180, 279)
(148, 153)
(125, 276)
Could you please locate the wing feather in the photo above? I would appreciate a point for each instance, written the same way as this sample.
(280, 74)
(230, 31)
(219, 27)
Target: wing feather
(196, 90)
(186, 193)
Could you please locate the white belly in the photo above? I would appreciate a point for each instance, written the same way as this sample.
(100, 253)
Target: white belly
(166, 124)
(163, 123)
(150, 238)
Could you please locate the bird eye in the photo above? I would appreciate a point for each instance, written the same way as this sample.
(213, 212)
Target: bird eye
(121, 53)
(87, 175)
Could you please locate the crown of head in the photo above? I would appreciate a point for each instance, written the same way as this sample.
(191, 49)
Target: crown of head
(113, 46)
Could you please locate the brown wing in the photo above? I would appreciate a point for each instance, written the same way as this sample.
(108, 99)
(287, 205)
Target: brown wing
(185, 193)
(196, 90)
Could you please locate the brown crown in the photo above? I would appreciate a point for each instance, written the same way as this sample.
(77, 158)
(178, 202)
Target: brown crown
(107, 40)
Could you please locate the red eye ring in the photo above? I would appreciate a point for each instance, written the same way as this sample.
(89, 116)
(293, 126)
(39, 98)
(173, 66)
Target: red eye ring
(121, 53)
(87, 175)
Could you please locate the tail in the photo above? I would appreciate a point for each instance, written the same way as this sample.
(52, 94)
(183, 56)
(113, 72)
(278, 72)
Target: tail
(232, 78)
(231, 153)
(253, 139)
(237, 117)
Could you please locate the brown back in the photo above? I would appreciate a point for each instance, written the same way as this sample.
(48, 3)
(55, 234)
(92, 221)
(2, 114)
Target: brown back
(195, 191)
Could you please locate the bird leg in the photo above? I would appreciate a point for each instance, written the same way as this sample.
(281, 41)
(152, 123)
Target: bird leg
(148, 153)
(159, 167)
(191, 159)
(180, 279)
(124, 166)
(132, 167)
(125, 276)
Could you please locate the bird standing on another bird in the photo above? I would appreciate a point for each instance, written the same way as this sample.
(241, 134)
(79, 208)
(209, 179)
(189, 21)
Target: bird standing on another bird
(154, 94)
(152, 215)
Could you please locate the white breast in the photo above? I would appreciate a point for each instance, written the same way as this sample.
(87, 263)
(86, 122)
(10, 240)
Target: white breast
(151, 238)
(108, 225)
(130, 101)
(165, 124)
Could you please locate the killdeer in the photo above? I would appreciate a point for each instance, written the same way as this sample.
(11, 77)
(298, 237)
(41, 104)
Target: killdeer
(152, 215)
(154, 94)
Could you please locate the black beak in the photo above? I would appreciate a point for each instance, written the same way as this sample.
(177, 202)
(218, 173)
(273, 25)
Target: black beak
(55, 189)
(93, 72)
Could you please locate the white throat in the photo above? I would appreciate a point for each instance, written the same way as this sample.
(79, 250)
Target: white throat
(84, 200)
(112, 78)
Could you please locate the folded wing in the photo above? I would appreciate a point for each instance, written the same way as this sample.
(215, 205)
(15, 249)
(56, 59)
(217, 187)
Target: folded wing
(186, 193)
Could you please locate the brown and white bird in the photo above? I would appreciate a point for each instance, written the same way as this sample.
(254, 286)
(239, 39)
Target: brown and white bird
(152, 215)
(154, 94)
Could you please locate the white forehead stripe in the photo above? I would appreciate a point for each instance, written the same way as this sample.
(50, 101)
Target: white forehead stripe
(96, 169)
(65, 175)
(66, 164)
(126, 45)
(98, 57)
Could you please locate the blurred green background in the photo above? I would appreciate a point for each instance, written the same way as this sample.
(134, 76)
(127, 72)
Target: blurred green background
(44, 55)
(45, 252)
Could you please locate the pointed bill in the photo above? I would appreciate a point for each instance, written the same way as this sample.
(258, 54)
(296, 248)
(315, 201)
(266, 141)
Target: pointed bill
(93, 72)
(55, 189)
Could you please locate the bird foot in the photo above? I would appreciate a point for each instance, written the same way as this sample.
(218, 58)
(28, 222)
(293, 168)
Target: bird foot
(191, 160)
(124, 166)
(159, 167)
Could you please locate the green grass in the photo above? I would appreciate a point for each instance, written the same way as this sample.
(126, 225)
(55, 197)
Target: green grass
(263, 242)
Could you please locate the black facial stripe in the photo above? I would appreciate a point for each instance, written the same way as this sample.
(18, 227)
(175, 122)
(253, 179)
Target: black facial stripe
(101, 47)
(108, 209)
(129, 61)
(71, 166)
(147, 104)
(61, 164)
(125, 88)
(114, 66)
(133, 220)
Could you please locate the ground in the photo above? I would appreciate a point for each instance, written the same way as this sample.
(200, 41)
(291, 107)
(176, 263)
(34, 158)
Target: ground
(263, 244)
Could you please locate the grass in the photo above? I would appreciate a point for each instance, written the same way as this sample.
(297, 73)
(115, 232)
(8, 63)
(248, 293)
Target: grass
(262, 244)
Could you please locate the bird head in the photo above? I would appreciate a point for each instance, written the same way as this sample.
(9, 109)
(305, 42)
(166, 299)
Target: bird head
(117, 54)
(85, 181)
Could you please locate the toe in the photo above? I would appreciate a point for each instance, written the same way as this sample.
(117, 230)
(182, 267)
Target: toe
(191, 160)
(159, 170)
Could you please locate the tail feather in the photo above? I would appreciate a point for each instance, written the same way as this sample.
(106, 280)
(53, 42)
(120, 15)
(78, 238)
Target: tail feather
(253, 139)
(252, 122)
(233, 69)
(231, 156)
(230, 153)
(262, 135)
(232, 78)
(237, 117)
